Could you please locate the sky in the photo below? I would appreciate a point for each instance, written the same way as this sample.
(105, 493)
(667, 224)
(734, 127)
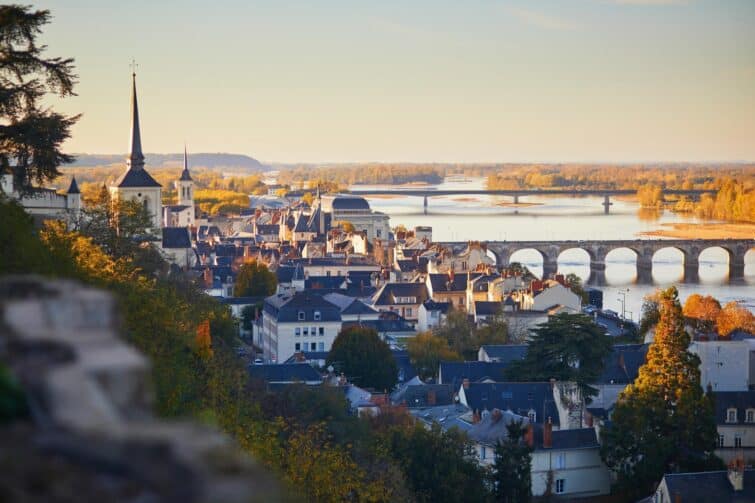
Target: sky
(416, 81)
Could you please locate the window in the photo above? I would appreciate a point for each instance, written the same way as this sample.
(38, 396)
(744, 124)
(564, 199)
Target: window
(482, 452)
(720, 440)
(306, 331)
(301, 315)
(313, 346)
(737, 441)
(408, 311)
(297, 332)
(751, 415)
(297, 347)
(313, 331)
(560, 486)
(321, 346)
(561, 461)
(321, 331)
(731, 416)
(461, 301)
(318, 316)
(532, 416)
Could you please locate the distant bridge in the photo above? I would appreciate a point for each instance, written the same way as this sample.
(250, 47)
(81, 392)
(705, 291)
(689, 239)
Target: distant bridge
(644, 250)
(516, 194)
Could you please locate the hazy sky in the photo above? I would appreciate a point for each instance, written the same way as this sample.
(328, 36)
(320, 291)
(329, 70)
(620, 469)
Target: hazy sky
(437, 80)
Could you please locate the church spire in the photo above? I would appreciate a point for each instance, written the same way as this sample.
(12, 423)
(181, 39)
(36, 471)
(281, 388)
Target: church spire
(185, 175)
(136, 157)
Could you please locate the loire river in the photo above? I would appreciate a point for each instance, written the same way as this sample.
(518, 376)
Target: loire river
(492, 218)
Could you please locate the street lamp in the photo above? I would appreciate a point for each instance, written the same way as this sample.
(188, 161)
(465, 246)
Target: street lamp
(623, 301)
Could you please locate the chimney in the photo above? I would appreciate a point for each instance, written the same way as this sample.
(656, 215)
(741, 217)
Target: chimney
(589, 419)
(431, 400)
(529, 435)
(737, 474)
(476, 417)
(207, 277)
(465, 383)
(548, 434)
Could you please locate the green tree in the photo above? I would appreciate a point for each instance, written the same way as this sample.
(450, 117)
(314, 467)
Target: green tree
(438, 465)
(663, 422)
(254, 280)
(512, 479)
(568, 347)
(31, 134)
(426, 351)
(574, 283)
(457, 331)
(366, 360)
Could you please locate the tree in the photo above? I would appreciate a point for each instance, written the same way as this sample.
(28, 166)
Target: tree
(650, 314)
(457, 331)
(663, 422)
(702, 312)
(574, 283)
(734, 316)
(366, 360)
(512, 479)
(31, 134)
(254, 280)
(345, 225)
(568, 347)
(307, 198)
(438, 465)
(426, 351)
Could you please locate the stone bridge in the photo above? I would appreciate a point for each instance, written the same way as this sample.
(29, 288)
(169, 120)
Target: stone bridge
(644, 250)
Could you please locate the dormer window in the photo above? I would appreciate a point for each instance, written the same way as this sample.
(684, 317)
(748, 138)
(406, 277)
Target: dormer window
(750, 416)
(532, 416)
(731, 415)
(318, 316)
(301, 315)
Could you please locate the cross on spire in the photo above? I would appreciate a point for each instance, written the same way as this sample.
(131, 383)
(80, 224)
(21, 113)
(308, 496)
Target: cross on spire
(133, 65)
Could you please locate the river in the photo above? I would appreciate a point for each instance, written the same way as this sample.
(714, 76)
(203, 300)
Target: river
(493, 218)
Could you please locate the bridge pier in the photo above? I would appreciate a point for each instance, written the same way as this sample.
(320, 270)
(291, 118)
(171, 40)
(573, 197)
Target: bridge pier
(597, 273)
(425, 205)
(606, 204)
(644, 270)
(550, 268)
(736, 267)
(691, 270)
(516, 198)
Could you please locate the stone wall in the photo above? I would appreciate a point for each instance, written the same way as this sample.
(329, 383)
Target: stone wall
(92, 435)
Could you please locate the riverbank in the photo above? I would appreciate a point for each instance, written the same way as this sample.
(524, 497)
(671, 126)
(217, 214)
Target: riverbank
(703, 231)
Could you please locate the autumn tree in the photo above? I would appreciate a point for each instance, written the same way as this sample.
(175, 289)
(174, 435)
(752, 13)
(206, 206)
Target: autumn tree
(254, 279)
(511, 475)
(574, 283)
(663, 422)
(457, 330)
(734, 316)
(568, 347)
(31, 134)
(702, 312)
(364, 358)
(203, 340)
(426, 351)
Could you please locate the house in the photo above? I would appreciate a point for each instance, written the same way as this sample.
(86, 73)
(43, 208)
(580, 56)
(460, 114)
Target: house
(620, 368)
(352, 309)
(176, 247)
(565, 463)
(268, 233)
(450, 287)
(402, 298)
(484, 310)
(302, 321)
(733, 485)
(505, 353)
(454, 373)
(416, 394)
(726, 365)
(735, 422)
(285, 373)
(432, 314)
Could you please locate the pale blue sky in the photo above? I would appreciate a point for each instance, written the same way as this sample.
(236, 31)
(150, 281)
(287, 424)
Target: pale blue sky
(478, 80)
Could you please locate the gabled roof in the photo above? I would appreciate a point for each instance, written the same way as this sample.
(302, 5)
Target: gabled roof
(622, 364)
(455, 372)
(518, 397)
(176, 237)
(389, 291)
(441, 307)
(492, 428)
(740, 400)
(300, 307)
(709, 486)
(443, 283)
(285, 373)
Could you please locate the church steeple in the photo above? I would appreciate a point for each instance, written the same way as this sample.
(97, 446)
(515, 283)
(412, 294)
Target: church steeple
(136, 157)
(185, 175)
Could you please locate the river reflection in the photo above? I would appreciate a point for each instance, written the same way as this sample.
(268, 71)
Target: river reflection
(539, 218)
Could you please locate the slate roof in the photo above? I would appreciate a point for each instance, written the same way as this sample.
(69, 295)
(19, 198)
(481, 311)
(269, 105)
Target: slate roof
(454, 373)
(389, 291)
(492, 428)
(324, 282)
(580, 438)
(486, 308)
(406, 370)
(447, 416)
(285, 308)
(309, 356)
(703, 487)
(350, 203)
(505, 353)
(741, 400)
(442, 282)
(383, 325)
(622, 364)
(518, 397)
(74, 187)
(136, 178)
(442, 307)
(284, 372)
(268, 229)
(176, 237)
(418, 395)
(349, 305)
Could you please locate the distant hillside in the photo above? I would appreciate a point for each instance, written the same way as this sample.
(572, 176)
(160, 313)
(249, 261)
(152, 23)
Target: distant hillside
(211, 161)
